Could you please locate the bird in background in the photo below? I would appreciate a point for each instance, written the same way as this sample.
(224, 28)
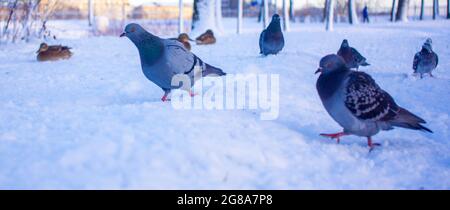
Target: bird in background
(426, 60)
(53, 52)
(184, 39)
(271, 40)
(162, 59)
(206, 38)
(351, 56)
(358, 104)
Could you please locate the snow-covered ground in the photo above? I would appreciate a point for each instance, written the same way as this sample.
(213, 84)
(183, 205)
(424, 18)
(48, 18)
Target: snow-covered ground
(95, 122)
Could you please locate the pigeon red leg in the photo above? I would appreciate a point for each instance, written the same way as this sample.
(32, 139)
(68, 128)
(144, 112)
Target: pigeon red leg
(372, 145)
(164, 98)
(192, 94)
(336, 136)
(431, 75)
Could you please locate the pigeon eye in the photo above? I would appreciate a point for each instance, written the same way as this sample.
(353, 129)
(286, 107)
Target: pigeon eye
(132, 29)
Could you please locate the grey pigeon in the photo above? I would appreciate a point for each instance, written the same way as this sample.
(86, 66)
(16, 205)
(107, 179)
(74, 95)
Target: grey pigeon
(271, 40)
(426, 60)
(358, 104)
(351, 56)
(161, 59)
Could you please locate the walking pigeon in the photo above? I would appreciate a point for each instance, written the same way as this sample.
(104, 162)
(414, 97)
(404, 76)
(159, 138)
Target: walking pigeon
(161, 59)
(271, 40)
(206, 38)
(351, 56)
(426, 60)
(358, 104)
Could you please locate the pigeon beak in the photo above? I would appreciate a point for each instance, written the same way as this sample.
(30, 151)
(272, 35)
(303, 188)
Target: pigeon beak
(123, 34)
(319, 70)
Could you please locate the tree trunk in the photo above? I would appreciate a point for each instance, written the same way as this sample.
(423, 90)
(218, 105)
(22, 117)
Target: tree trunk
(330, 15)
(11, 13)
(218, 15)
(291, 10)
(448, 9)
(207, 15)
(435, 9)
(393, 10)
(422, 9)
(325, 8)
(180, 17)
(285, 16)
(239, 16)
(266, 13)
(402, 11)
(352, 16)
(91, 12)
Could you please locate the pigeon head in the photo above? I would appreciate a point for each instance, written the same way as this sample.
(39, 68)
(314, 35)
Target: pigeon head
(344, 43)
(134, 32)
(210, 32)
(427, 45)
(275, 17)
(43, 47)
(330, 63)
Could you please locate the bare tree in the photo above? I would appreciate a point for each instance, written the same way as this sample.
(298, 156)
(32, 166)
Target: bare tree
(330, 15)
(207, 15)
(286, 18)
(402, 10)
(393, 10)
(448, 9)
(422, 8)
(291, 10)
(91, 12)
(435, 9)
(352, 16)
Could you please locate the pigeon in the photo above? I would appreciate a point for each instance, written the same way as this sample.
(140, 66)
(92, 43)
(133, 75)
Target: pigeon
(271, 40)
(206, 38)
(184, 39)
(351, 56)
(358, 104)
(161, 59)
(53, 52)
(426, 60)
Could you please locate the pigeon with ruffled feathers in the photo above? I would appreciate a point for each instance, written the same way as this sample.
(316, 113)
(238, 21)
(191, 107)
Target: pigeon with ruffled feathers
(162, 59)
(426, 60)
(271, 40)
(358, 104)
(351, 56)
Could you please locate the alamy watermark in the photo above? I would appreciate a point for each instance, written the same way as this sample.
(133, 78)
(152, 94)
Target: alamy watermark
(258, 92)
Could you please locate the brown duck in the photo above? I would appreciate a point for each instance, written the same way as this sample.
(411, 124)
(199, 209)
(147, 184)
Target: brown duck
(206, 38)
(53, 52)
(184, 39)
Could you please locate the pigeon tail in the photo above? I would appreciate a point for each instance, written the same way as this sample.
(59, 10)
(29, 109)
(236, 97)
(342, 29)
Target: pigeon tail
(212, 71)
(406, 119)
(364, 63)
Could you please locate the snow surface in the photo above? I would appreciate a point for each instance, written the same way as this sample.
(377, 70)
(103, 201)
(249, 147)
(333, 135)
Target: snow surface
(95, 122)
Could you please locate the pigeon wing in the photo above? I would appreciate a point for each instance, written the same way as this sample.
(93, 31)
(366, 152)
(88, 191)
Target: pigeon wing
(358, 57)
(261, 40)
(367, 101)
(179, 59)
(416, 61)
(437, 59)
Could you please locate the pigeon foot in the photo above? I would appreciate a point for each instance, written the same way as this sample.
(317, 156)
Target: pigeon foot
(372, 145)
(336, 136)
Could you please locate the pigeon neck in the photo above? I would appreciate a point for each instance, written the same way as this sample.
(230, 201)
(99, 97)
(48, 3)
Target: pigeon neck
(150, 49)
(274, 26)
(425, 50)
(328, 83)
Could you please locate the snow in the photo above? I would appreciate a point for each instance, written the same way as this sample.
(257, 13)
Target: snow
(95, 122)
